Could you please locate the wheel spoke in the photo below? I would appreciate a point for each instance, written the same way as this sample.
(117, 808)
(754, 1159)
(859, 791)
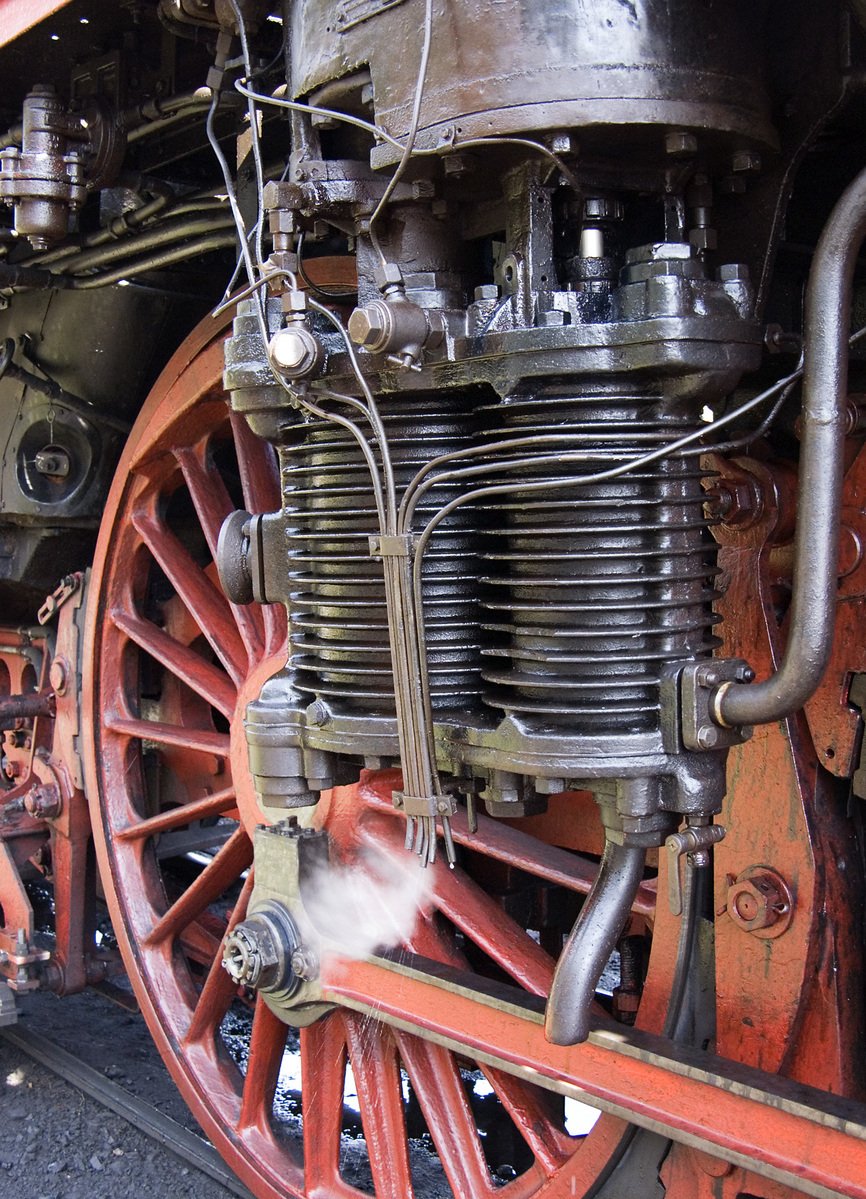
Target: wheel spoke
(201, 741)
(257, 466)
(439, 1088)
(550, 1145)
(185, 664)
(224, 869)
(482, 920)
(501, 843)
(323, 1072)
(219, 990)
(197, 809)
(376, 1068)
(260, 484)
(213, 505)
(205, 603)
(267, 1042)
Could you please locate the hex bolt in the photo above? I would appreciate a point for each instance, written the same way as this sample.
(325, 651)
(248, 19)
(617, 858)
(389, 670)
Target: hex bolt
(707, 676)
(745, 160)
(367, 325)
(59, 675)
(43, 803)
(295, 351)
(680, 144)
(759, 902)
(708, 737)
(304, 963)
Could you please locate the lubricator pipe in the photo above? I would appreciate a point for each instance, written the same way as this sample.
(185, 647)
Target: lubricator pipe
(816, 548)
(591, 942)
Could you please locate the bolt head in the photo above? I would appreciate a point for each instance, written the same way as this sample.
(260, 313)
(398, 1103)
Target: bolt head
(58, 675)
(562, 143)
(487, 291)
(304, 963)
(734, 272)
(288, 349)
(680, 144)
(746, 160)
(708, 737)
(366, 325)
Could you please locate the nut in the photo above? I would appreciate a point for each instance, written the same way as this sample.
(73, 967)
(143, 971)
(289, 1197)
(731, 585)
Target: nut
(58, 675)
(43, 803)
(680, 144)
(487, 291)
(733, 272)
(759, 902)
(295, 351)
(708, 737)
(746, 160)
(367, 325)
(305, 964)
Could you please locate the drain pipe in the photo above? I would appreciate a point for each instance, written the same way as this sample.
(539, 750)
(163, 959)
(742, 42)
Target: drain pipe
(816, 547)
(592, 941)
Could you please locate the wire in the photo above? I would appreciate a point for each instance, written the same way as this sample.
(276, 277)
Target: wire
(253, 114)
(314, 110)
(310, 285)
(473, 142)
(413, 131)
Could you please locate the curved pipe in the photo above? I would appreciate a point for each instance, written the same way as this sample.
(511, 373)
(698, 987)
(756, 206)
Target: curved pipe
(816, 548)
(591, 942)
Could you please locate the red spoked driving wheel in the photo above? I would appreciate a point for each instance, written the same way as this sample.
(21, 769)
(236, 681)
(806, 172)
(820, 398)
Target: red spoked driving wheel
(348, 1106)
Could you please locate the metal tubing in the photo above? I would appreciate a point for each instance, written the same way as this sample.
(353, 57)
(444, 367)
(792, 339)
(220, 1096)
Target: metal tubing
(153, 262)
(825, 394)
(591, 942)
(25, 707)
(163, 234)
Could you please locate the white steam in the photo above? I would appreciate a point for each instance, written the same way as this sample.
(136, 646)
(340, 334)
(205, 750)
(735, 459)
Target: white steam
(368, 906)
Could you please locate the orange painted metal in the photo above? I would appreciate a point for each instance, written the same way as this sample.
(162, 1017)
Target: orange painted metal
(688, 1096)
(17, 16)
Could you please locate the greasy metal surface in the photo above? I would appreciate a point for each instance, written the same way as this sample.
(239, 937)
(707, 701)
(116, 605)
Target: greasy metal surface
(644, 64)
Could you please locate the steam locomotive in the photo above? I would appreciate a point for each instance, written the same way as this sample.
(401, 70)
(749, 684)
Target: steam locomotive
(433, 449)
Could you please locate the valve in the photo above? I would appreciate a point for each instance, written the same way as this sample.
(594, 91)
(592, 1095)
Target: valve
(395, 325)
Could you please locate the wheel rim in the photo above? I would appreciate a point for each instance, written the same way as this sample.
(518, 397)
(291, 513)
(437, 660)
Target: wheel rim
(172, 666)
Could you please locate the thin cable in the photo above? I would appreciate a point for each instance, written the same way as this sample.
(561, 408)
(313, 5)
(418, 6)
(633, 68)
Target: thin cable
(253, 114)
(373, 414)
(413, 131)
(526, 142)
(296, 106)
(355, 432)
(231, 300)
(230, 190)
(310, 285)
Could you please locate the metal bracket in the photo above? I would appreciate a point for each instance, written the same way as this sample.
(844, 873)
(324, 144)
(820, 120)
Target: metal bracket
(58, 597)
(424, 805)
(392, 546)
(693, 842)
(698, 683)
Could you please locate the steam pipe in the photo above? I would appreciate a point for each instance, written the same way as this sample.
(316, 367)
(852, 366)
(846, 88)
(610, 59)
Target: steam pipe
(816, 547)
(591, 942)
